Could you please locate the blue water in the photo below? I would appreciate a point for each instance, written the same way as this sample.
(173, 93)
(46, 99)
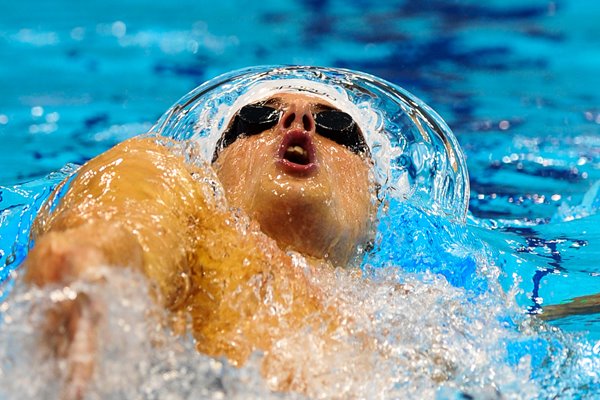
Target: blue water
(517, 81)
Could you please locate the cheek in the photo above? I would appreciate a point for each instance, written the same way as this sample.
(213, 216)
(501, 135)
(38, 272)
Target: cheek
(240, 166)
(349, 175)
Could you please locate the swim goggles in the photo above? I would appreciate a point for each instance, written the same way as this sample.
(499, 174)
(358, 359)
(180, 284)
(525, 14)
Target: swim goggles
(330, 123)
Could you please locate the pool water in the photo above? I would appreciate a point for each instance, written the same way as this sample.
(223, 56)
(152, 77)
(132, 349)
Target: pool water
(517, 81)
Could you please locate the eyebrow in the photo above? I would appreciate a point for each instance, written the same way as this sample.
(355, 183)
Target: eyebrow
(323, 107)
(273, 101)
(316, 107)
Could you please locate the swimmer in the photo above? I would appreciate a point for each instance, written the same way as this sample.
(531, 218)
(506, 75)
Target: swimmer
(296, 175)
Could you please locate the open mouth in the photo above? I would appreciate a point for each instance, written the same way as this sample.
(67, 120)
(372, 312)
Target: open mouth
(296, 152)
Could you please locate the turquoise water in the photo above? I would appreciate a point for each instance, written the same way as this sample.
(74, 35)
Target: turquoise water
(516, 81)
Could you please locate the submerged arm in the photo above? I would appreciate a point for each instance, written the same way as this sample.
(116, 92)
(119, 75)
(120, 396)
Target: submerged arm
(578, 306)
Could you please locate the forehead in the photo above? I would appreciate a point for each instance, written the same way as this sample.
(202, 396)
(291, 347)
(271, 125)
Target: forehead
(286, 99)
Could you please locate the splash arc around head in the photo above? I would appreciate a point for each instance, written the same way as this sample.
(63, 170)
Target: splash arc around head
(416, 156)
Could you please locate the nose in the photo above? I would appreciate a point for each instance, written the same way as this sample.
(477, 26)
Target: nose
(297, 116)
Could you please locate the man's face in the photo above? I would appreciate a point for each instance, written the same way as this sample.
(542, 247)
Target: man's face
(308, 192)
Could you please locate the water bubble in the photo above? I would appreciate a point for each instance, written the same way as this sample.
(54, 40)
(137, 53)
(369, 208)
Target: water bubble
(37, 111)
(78, 33)
(52, 117)
(118, 29)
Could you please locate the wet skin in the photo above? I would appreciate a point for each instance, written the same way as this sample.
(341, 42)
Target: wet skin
(322, 208)
(140, 205)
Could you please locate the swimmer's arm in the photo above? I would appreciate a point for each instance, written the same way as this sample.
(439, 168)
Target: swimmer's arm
(129, 207)
(63, 256)
(582, 305)
(69, 327)
(134, 206)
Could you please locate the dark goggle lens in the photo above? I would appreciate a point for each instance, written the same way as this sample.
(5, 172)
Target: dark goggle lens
(256, 118)
(250, 120)
(332, 124)
(340, 127)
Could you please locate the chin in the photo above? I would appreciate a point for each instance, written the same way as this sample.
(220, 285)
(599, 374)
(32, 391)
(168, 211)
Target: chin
(301, 214)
